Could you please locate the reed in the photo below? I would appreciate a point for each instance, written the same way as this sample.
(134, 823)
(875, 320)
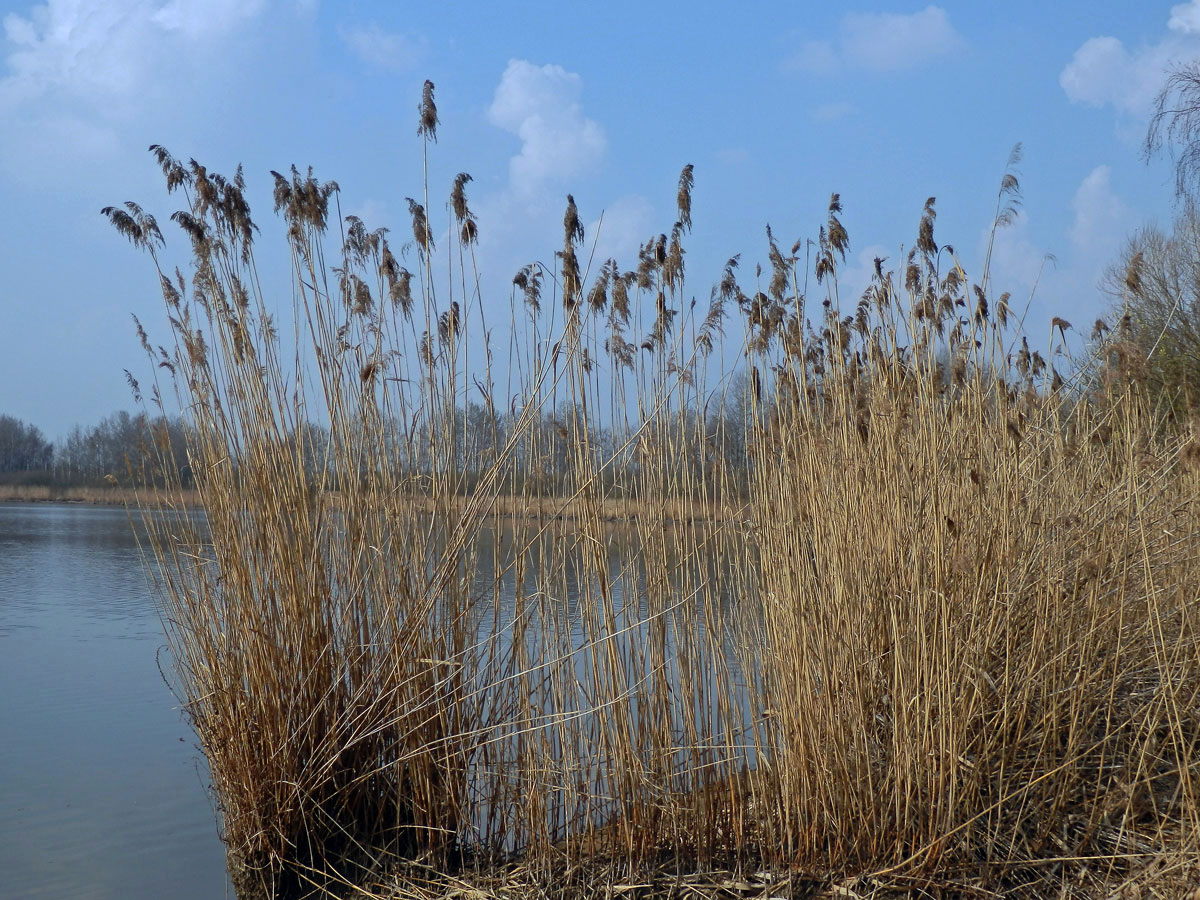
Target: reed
(908, 607)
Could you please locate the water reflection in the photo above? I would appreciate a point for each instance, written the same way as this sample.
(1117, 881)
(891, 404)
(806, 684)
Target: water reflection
(102, 792)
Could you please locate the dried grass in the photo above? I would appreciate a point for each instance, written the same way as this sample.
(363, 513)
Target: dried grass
(898, 612)
(96, 496)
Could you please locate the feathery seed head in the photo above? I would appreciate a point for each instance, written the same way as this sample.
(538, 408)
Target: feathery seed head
(428, 113)
(458, 196)
(420, 225)
(683, 197)
(1003, 309)
(1133, 273)
(400, 292)
(925, 242)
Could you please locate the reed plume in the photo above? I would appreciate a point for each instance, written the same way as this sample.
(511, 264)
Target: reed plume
(860, 602)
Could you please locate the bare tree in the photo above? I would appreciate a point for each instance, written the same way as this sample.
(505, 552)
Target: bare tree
(121, 445)
(1175, 125)
(23, 448)
(1155, 291)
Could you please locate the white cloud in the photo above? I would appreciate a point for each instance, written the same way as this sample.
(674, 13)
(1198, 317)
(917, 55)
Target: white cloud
(97, 51)
(881, 42)
(1101, 218)
(204, 18)
(855, 277)
(889, 42)
(1017, 263)
(560, 146)
(1104, 72)
(1185, 18)
(385, 49)
(625, 225)
(64, 45)
(78, 77)
(540, 104)
(1068, 286)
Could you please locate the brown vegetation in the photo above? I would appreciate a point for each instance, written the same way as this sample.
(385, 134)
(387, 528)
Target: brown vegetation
(942, 638)
(97, 496)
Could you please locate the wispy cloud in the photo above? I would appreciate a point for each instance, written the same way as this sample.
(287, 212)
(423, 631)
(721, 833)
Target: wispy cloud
(880, 42)
(1104, 72)
(541, 106)
(385, 49)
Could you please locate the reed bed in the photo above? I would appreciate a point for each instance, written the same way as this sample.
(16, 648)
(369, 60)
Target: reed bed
(908, 607)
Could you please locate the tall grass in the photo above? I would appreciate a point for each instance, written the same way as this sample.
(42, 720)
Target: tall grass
(906, 607)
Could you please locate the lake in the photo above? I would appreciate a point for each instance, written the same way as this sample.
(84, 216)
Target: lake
(103, 791)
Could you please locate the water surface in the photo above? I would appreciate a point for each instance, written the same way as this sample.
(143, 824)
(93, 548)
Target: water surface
(103, 793)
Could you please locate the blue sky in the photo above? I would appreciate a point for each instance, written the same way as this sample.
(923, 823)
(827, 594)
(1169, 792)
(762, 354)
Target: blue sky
(776, 105)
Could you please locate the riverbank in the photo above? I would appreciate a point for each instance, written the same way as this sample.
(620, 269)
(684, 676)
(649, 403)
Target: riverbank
(87, 494)
(670, 512)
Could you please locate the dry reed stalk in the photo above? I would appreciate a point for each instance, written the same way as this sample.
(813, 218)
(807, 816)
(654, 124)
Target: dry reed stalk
(896, 609)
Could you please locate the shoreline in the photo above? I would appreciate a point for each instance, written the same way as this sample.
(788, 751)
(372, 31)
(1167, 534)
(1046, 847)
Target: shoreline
(84, 495)
(611, 510)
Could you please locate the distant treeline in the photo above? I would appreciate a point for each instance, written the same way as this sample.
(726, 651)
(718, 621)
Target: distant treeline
(134, 449)
(120, 446)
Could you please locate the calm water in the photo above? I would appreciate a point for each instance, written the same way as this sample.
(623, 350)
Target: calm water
(102, 790)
